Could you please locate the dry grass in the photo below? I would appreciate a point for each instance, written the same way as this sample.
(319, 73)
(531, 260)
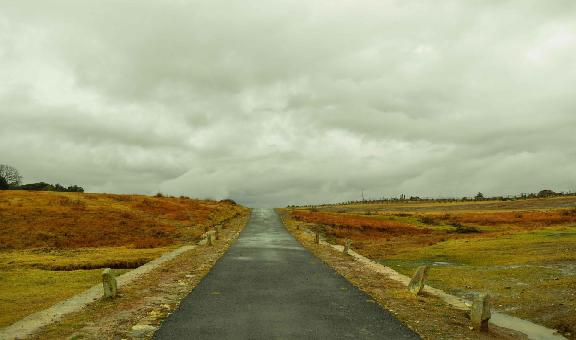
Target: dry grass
(54, 245)
(73, 220)
(354, 226)
(521, 252)
(144, 301)
(428, 315)
(521, 219)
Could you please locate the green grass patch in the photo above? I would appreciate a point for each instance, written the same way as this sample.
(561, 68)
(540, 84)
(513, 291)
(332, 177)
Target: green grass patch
(26, 291)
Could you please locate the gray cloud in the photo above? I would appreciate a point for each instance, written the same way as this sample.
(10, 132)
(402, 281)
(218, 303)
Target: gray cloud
(282, 102)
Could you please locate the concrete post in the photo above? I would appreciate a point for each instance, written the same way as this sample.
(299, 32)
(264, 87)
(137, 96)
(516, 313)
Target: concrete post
(347, 246)
(109, 283)
(209, 240)
(419, 280)
(480, 312)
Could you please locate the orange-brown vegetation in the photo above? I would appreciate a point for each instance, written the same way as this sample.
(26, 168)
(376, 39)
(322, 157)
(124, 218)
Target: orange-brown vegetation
(54, 244)
(354, 226)
(73, 220)
(523, 219)
(521, 252)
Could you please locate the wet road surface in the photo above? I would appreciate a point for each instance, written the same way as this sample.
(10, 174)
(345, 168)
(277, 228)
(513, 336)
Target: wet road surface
(267, 286)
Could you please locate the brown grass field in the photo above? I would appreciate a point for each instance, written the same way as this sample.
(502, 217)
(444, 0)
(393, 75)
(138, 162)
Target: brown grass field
(521, 252)
(54, 245)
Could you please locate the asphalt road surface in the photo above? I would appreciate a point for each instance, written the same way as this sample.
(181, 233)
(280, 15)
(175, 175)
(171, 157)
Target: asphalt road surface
(267, 286)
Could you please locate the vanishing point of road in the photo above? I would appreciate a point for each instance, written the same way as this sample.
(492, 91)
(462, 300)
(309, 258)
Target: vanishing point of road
(267, 286)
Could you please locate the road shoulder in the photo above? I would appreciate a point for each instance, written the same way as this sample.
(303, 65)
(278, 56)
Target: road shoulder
(426, 315)
(145, 302)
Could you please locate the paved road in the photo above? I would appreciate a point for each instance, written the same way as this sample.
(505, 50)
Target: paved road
(267, 286)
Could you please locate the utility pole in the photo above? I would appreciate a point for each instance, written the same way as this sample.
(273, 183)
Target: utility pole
(363, 200)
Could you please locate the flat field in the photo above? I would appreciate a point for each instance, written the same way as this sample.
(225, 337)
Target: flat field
(54, 245)
(521, 252)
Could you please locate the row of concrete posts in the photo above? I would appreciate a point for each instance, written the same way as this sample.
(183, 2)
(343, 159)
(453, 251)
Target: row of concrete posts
(479, 312)
(110, 285)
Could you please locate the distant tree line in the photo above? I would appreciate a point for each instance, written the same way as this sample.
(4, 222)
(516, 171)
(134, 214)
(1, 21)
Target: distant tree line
(10, 179)
(478, 197)
(42, 186)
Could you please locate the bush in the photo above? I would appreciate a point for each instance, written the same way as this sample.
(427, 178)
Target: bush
(403, 215)
(569, 212)
(4, 184)
(462, 229)
(228, 200)
(427, 220)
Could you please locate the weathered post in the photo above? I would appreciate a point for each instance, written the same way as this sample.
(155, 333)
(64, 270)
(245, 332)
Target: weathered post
(347, 246)
(217, 233)
(317, 239)
(209, 240)
(419, 280)
(109, 283)
(480, 312)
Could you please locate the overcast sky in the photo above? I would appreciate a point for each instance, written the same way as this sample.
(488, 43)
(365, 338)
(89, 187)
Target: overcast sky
(276, 102)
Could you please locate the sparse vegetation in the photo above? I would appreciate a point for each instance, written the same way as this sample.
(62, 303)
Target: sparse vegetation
(57, 242)
(521, 251)
(462, 229)
(428, 220)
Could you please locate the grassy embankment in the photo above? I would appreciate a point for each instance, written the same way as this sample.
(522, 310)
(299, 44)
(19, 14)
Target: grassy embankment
(54, 245)
(521, 252)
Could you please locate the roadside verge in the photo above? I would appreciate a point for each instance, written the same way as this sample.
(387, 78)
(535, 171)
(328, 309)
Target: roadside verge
(428, 315)
(146, 295)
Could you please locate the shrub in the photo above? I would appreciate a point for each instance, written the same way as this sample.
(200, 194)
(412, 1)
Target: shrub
(427, 220)
(159, 195)
(569, 212)
(462, 229)
(3, 184)
(228, 200)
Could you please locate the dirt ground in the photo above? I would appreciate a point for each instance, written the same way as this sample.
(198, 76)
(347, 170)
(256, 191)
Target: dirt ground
(146, 302)
(427, 315)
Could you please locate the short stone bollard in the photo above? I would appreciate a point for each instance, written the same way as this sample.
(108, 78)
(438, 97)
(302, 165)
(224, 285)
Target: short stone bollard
(317, 238)
(209, 240)
(109, 283)
(480, 312)
(419, 280)
(347, 246)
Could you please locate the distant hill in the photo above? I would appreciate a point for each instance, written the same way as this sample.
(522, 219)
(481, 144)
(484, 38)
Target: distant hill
(72, 220)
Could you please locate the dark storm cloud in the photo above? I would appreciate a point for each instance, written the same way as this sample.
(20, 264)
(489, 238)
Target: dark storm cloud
(280, 102)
